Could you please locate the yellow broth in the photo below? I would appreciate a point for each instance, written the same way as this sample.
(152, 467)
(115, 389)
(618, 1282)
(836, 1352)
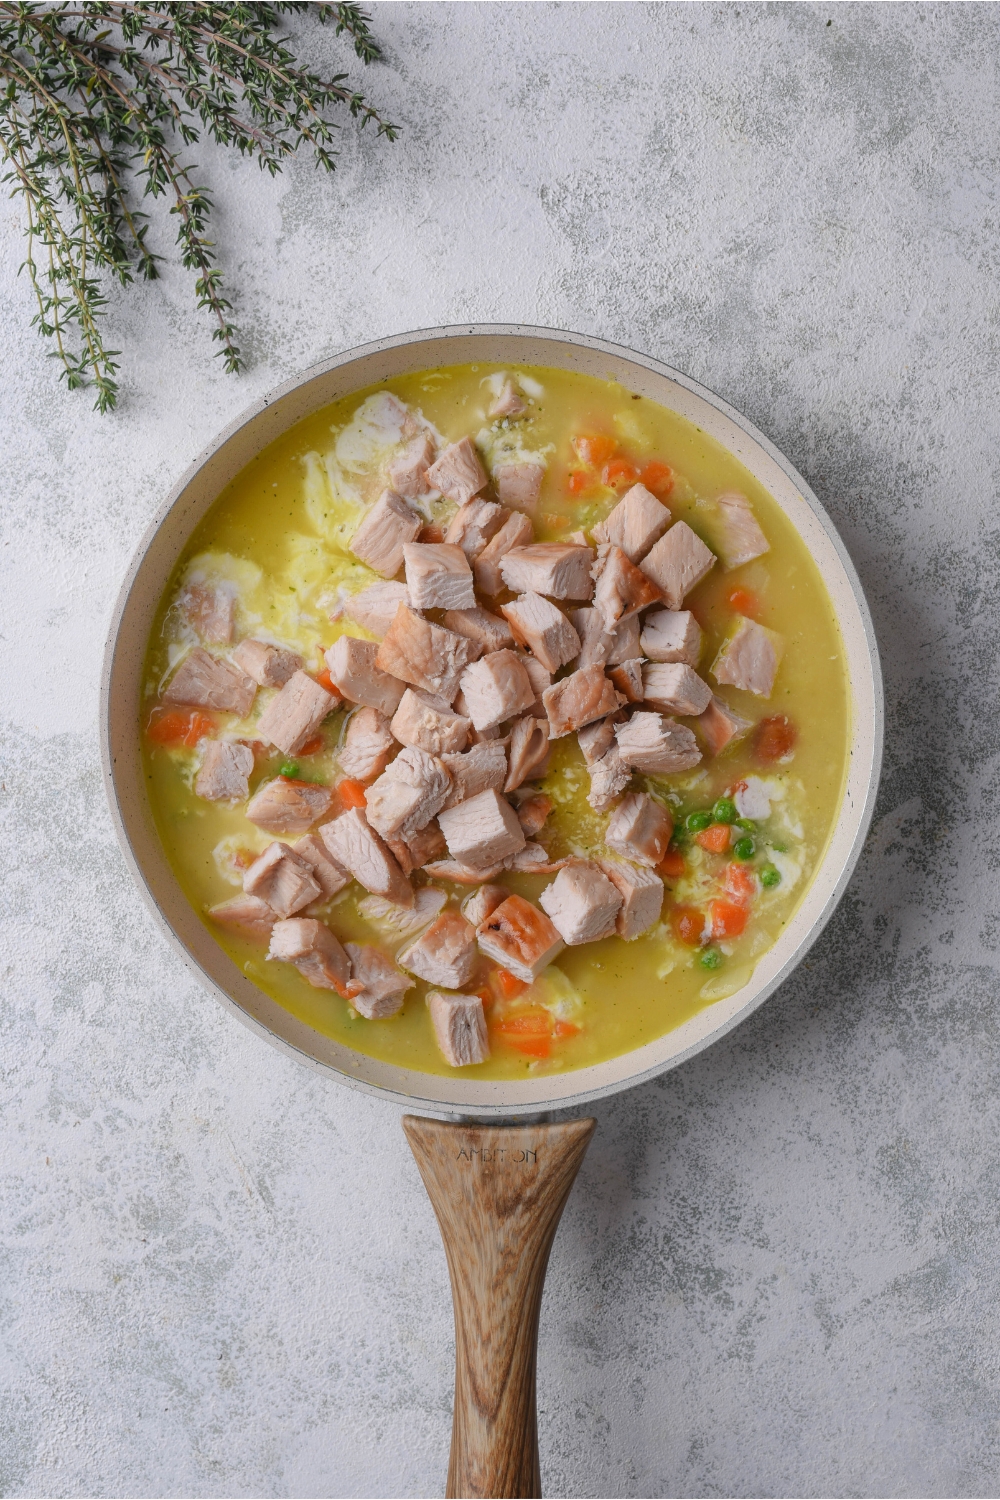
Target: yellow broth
(281, 530)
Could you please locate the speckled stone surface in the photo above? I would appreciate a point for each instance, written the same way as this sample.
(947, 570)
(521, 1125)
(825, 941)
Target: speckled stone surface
(219, 1274)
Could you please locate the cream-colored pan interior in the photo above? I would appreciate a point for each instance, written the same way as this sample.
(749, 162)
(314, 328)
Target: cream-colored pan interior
(148, 576)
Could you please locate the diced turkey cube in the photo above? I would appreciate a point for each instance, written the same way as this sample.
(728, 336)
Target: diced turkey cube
(627, 679)
(609, 776)
(286, 805)
(224, 772)
(740, 538)
(283, 879)
(721, 724)
(384, 531)
(625, 641)
(481, 830)
(315, 952)
(579, 699)
(672, 635)
(460, 874)
(677, 563)
(458, 473)
(582, 903)
(424, 655)
(529, 751)
(481, 769)
(496, 688)
(637, 521)
(516, 531)
(424, 721)
(368, 745)
(477, 907)
(419, 849)
(246, 914)
(375, 607)
(408, 471)
(459, 1028)
(532, 811)
(475, 525)
(205, 681)
(438, 576)
(355, 846)
(508, 403)
(642, 896)
(407, 794)
(327, 874)
(489, 632)
(595, 740)
(268, 665)
(520, 938)
(675, 688)
(376, 987)
(595, 639)
(292, 718)
(212, 611)
(549, 568)
(544, 629)
(541, 678)
(445, 953)
(640, 829)
(533, 859)
(622, 588)
(519, 485)
(355, 672)
(749, 659)
(656, 746)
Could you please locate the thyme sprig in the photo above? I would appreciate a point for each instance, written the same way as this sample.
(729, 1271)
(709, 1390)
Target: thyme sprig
(99, 98)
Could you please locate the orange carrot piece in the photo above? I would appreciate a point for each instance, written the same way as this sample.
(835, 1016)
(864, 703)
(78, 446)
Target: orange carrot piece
(509, 985)
(774, 739)
(745, 602)
(594, 448)
(313, 746)
(741, 883)
(715, 839)
(620, 474)
(728, 919)
(175, 726)
(577, 481)
(326, 681)
(352, 793)
(672, 864)
(566, 1028)
(689, 925)
(658, 478)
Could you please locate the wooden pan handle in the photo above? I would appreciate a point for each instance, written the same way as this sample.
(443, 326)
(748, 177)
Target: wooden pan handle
(498, 1193)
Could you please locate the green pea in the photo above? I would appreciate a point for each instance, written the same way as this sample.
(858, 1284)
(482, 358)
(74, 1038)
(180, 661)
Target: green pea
(781, 848)
(711, 959)
(290, 768)
(747, 824)
(724, 811)
(769, 877)
(696, 821)
(744, 848)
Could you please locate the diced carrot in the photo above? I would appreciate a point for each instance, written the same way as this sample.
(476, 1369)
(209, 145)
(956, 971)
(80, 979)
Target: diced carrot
(745, 602)
(741, 883)
(566, 1028)
(313, 746)
(689, 925)
(352, 793)
(554, 521)
(177, 726)
(578, 480)
(509, 985)
(774, 738)
(532, 1046)
(620, 474)
(715, 839)
(658, 478)
(243, 858)
(530, 1031)
(594, 448)
(728, 919)
(672, 864)
(326, 681)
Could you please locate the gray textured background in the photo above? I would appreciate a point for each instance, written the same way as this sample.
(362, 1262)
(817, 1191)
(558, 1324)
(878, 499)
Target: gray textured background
(219, 1274)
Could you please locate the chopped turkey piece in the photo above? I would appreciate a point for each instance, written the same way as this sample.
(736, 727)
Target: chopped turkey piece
(419, 849)
(609, 776)
(212, 611)
(427, 722)
(327, 874)
(459, 1028)
(248, 914)
(224, 772)
(508, 403)
(397, 923)
(520, 938)
(642, 896)
(354, 672)
(407, 794)
(577, 700)
(445, 953)
(549, 568)
(481, 830)
(519, 485)
(672, 635)
(656, 746)
(292, 717)
(627, 678)
(529, 751)
(516, 531)
(749, 659)
(640, 828)
(355, 846)
(533, 859)
(376, 987)
(438, 576)
(496, 688)
(625, 645)
(459, 874)
(368, 745)
(541, 678)
(408, 471)
(481, 769)
(475, 525)
(595, 740)
(489, 632)
(375, 607)
(544, 629)
(283, 879)
(204, 681)
(678, 562)
(424, 655)
(595, 640)
(675, 688)
(286, 805)
(269, 666)
(721, 724)
(622, 588)
(458, 472)
(637, 521)
(313, 949)
(383, 533)
(740, 537)
(532, 812)
(582, 903)
(477, 907)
